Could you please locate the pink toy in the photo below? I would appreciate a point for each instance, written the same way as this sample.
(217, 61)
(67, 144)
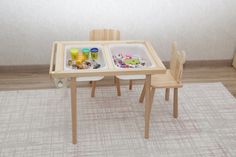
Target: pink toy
(129, 55)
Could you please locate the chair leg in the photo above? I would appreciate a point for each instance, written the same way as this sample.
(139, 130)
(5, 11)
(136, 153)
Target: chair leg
(130, 84)
(114, 80)
(167, 94)
(93, 88)
(141, 98)
(118, 86)
(175, 103)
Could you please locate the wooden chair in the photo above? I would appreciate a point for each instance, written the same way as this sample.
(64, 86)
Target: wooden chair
(130, 78)
(104, 34)
(171, 79)
(99, 34)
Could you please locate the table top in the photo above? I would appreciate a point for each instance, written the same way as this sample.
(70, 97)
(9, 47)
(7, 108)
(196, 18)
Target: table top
(58, 70)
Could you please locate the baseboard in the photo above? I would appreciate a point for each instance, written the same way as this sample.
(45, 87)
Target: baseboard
(209, 63)
(45, 68)
(205, 63)
(24, 68)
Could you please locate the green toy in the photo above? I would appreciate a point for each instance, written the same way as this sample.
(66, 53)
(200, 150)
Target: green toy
(132, 61)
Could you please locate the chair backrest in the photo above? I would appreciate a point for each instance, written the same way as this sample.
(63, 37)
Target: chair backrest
(104, 34)
(176, 63)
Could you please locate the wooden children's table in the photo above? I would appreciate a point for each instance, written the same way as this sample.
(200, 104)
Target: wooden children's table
(59, 69)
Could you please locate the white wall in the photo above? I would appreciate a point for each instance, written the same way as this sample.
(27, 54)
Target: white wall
(206, 29)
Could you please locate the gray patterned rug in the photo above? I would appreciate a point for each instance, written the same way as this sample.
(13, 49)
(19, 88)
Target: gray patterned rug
(35, 123)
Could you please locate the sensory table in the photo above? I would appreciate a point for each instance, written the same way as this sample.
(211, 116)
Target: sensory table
(108, 50)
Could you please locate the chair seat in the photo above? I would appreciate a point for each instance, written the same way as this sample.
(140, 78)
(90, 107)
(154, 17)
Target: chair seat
(95, 78)
(164, 81)
(131, 77)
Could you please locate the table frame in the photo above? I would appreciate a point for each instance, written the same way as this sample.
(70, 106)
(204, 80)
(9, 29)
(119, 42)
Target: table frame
(57, 71)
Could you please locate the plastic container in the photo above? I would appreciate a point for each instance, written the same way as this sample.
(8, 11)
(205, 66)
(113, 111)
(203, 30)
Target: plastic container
(94, 53)
(86, 52)
(100, 59)
(74, 53)
(137, 50)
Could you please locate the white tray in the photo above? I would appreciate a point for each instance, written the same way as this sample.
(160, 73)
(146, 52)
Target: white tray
(100, 59)
(134, 49)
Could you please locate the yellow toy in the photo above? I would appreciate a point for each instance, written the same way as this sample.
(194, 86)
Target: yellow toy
(80, 58)
(74, 53)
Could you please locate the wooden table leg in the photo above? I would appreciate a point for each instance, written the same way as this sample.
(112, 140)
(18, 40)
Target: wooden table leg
(147, 105)
(73, 88)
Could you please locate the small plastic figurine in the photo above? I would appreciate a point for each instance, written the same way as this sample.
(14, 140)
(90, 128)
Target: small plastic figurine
(69, 62)
(74, 66)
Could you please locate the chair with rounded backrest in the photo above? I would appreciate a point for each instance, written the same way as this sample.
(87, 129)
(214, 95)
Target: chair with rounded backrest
(99, 34)
(171, 79)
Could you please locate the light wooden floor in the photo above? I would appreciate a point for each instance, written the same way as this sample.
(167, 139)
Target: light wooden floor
(39, 80)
